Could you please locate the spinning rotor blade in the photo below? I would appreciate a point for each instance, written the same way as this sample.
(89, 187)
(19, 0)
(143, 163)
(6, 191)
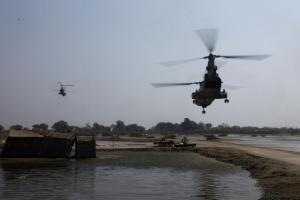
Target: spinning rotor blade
(220, 63)
(179, 62)
(61, 84)
(157, 85)
(231, 87)
(209, 38)
(247, 57)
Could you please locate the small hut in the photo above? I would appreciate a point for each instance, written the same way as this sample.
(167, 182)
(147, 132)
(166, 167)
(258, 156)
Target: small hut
(20, 144)
(26, 144)
(57, 145)
(85, 147)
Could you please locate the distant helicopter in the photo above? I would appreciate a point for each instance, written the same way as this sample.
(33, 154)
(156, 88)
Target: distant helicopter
(210, 87)
(62, 90)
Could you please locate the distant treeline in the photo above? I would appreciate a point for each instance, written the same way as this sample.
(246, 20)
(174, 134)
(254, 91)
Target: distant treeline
(184, 128)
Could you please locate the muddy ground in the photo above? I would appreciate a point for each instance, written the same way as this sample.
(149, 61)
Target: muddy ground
(279, 180)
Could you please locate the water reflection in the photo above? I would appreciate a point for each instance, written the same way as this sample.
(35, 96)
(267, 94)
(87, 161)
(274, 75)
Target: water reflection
(46, 179)
(207, 185)
(126, 175)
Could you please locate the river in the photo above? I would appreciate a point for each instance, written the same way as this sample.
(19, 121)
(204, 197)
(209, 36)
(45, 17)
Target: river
(126, 175)
(282, 142)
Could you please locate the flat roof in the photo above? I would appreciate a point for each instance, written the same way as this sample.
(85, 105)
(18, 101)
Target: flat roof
(15, 133)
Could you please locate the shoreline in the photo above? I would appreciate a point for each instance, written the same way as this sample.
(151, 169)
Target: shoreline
(277, 171)
(279, 180)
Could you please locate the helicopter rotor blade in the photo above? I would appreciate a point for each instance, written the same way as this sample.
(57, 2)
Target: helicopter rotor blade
(209, 38)
(67, 85)
(231, 87)
(179, 62)
(220, 63)
(246, 57)
(158, 85)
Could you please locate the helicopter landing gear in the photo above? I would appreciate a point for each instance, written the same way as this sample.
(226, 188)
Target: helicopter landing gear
(226, 101)
(203, 111)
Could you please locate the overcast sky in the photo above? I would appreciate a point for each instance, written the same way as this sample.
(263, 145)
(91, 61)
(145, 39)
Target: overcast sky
(110, 50)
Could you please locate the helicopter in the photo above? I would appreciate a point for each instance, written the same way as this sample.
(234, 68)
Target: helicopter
(210, 87)
(62, 90)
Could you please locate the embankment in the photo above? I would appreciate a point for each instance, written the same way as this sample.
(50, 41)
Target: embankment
(277, 172)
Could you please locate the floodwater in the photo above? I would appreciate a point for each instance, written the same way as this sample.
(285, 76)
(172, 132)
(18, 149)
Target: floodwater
(282, 142)
(126, 175)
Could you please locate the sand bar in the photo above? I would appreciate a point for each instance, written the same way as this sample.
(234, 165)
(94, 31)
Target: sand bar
(279, 155)
(277, 171)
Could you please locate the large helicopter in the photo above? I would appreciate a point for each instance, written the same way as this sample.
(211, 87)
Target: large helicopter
(210, 87)
(62, 90)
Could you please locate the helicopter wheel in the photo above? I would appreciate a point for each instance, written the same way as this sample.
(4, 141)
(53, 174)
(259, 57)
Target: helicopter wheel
(203, 111)
(226, 101)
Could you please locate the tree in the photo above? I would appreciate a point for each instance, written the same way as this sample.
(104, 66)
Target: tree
(1, 129)
(208, 126)
(61, 126)
(134, 128)
(86, 130)
(44, 127)
(201, 126)
(88, 126)
(75, 129)
(35, 127)
(16, 127)
(188, 125)
(165, 127)
(40, 127)
(99, 129)
(223, 126)
(119, 127)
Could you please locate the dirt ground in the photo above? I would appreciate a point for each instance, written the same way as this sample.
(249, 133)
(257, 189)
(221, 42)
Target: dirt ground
(277, 172)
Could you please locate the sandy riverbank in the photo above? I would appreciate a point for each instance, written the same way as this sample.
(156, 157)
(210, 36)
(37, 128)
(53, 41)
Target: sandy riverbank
(277, 171)
(109, 146)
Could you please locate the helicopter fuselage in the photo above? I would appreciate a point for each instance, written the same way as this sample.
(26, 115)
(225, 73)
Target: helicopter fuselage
(62, 92)
(210, 88)
(205, 96)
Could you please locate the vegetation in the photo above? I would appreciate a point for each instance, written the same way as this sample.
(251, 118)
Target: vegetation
(61, 126)
(134, 128)
(40, 127)
(100, 129)
(16, 127)
(190, 127)
(2, 129)
(186, 127)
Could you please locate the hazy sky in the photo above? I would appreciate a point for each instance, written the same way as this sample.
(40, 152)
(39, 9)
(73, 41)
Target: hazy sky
(110, 50)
